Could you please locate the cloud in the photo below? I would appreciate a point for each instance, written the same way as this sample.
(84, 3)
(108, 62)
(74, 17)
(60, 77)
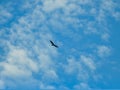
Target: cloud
(116, 15)
(46, 87)
(29, 55)
(18, 65)
(73, 66)
(29, 52)
(88, 62)
(82, 86)
(22, 63)
(79, 68)
(103, 51)
(2, 86)
(108, 9)
(105, 36)
(5, 15)
(53, 5)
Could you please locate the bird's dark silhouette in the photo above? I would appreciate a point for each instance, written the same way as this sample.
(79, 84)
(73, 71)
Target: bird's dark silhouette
(53, 44)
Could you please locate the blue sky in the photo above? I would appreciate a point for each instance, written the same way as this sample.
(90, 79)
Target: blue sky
(86, 31)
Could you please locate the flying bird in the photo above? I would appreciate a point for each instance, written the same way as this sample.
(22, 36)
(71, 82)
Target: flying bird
(53, 44)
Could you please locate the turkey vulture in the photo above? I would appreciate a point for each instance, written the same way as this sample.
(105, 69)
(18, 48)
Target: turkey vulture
(53, 44)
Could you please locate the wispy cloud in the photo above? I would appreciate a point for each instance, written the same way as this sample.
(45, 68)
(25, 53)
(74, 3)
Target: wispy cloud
(53, 5)
(88, 61)
(82, 86)
(29, 55)
(50, 87)
(2, 86)
(103, 51)
(5, 15)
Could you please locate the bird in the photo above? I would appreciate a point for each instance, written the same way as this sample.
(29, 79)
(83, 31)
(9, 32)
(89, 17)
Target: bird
(53, 44)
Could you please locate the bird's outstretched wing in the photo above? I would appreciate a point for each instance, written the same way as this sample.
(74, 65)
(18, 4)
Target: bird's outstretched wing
(53, 44)
(56, 46)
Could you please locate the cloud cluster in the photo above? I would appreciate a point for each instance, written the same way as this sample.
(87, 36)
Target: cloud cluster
(103, 51)
(5, 15)
(30, 57)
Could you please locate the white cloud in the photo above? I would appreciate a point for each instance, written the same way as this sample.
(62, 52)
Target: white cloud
(105, 36)
(76, 67)
(103, 51)
(82, 86)
(73, 66)
(18, 64)
(14, 72)
(30, 52)
(107, 8)
(108, 5)
(51, 5)
(116, 15)
(73, 10)
(2, 86)
(88, 61)
(5, 15)
(51, 74)
(91, 28)
(46, 87)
